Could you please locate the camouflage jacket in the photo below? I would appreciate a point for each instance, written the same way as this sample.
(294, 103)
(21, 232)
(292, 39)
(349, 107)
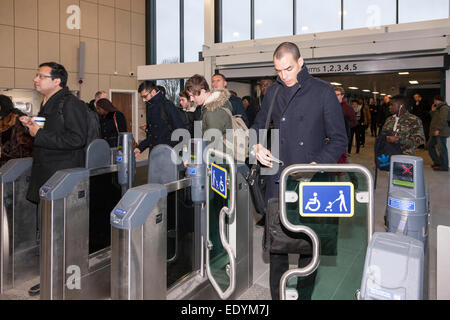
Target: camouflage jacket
(409, 131)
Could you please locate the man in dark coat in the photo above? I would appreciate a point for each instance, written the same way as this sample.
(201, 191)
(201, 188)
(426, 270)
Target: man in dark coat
(219, 81)
(60, 143)
(311, 130)
(162, 118)
(422, 110)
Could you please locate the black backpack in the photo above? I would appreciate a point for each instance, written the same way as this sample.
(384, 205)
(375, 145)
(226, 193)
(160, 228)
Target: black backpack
(384, 150)
(92, 121)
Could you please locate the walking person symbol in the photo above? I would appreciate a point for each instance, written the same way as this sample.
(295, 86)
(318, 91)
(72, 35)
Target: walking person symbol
(342, 199)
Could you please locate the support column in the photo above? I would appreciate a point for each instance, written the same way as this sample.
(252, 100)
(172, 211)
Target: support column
(447, 96)
(209, 36)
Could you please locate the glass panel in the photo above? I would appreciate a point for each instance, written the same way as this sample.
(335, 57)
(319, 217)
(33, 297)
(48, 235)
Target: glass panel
(167, 31)
(107, 192)
(343, 243)
(273, 18)
(218, 257)
(308, 20)
(193, 29)
(369, 13)
(235, 20)
(414, 10)
(180, 241)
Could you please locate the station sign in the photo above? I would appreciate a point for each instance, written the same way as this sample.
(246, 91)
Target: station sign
(219, 180)
(326, 199)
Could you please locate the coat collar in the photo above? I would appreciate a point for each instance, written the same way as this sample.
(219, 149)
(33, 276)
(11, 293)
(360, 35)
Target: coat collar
(302, 77)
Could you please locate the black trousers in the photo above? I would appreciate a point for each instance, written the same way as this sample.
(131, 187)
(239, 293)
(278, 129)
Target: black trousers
(279, 264)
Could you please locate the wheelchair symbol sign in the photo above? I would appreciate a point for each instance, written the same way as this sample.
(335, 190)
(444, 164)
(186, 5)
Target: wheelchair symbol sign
(326, 199)
(219, 180)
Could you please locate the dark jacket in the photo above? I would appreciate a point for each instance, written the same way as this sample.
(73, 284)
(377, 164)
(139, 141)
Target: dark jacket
(238, 108)
(305, 120)
(60, 144)
(108, 129)
(159, 130)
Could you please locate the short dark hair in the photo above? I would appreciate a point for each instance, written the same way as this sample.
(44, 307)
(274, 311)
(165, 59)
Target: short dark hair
(6, 105)
(287, 47)
(219, 74)
(147, 85)
(195, 84)
(400, 100)
(184, 94)
(439, 98)
(58, 72)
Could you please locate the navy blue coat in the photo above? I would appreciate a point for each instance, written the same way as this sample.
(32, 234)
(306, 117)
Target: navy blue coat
(159, 131)
(238, 108)
(310, 116)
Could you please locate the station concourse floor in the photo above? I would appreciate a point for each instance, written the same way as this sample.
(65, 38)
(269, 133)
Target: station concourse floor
(437, 182)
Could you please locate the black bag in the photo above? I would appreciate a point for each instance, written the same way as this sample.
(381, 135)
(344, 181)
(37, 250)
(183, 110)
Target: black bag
(92, 121)
(384, 150)
(278, 239)
(254, 179)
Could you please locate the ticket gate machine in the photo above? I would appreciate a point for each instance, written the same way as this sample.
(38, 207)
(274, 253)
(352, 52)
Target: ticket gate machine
(75, 240)
(139, 263)
(19, 250)
(396, 266)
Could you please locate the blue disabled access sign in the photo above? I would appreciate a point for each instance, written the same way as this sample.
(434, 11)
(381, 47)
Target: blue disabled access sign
(219, 180)
(326, 199)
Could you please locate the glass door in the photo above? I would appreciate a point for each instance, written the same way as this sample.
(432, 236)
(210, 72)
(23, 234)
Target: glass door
(221, 223)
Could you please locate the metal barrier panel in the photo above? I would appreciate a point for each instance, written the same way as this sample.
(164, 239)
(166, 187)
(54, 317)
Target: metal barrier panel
(343, 241)
(221, 223)
(19, 248)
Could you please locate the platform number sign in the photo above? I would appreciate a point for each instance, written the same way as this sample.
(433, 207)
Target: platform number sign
(325, 199)
(219, 180)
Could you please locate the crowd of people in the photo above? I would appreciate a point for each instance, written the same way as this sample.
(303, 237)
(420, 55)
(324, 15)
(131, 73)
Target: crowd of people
(311, 130)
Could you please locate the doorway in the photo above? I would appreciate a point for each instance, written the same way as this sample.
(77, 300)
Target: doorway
(126, 101)
(123, 102)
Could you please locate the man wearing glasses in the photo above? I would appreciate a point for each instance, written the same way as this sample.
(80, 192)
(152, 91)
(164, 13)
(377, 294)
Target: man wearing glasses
(162, 117)
(58, 143)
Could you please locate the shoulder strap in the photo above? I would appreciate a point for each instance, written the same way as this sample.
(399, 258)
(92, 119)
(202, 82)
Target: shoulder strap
(163, 114)
(115, 122)
(269, 115)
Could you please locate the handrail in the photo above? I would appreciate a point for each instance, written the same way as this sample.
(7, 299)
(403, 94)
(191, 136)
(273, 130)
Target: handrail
(296, 168)
(222, 225)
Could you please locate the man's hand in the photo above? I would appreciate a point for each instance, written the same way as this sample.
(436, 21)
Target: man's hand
(32, 126)
(263, 155)
(392, 139)
(137, 152)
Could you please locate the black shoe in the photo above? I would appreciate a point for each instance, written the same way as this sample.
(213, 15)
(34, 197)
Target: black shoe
(262, 222)
(35, 290)
(440, 169)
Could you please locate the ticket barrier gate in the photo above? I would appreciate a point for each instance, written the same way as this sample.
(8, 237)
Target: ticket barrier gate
(75, 229)
(342, 265)
(19, 249)
(140, 265)
(397, 262)
(19, 256)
